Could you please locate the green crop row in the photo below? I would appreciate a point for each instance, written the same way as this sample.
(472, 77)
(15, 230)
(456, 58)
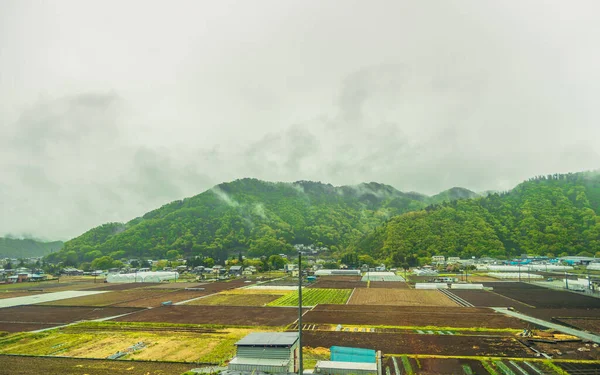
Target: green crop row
(312, 297)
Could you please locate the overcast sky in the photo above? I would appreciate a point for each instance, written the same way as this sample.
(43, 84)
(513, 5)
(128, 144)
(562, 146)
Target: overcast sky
(109, 109)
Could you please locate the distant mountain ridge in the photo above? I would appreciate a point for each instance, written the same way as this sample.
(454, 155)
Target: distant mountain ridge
(547, 215)
(254, 217)
(27, 248)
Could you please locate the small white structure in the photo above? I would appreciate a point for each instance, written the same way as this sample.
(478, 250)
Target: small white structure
(344, 368)
(431, 286)
(141, 277)
(466, 286)
(337, 272)
(514, 275)
(438, 259)
(269, 352)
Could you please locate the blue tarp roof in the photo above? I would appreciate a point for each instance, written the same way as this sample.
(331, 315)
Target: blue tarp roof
(347, 354)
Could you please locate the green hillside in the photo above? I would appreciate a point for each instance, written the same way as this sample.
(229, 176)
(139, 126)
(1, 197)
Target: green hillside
(26, 248)
(555, 214)
(252, 216)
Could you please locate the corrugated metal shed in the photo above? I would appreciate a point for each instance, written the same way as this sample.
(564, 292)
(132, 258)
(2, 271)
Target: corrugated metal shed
(355, 355)
(263, 352)
(345, 368)
(271, 339)
(273, 366)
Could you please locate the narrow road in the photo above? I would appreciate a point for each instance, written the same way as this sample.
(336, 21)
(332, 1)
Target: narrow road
(543, 323)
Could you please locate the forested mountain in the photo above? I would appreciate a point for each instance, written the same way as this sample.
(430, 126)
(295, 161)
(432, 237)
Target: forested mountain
(557, 214)
(26, 248)
(251, 216)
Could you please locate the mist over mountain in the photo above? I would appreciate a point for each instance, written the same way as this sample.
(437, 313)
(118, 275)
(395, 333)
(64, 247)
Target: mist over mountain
(27, 247)
(548, 214)
(257, 218)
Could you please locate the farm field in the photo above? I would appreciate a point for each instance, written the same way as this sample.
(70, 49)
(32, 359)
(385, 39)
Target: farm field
(393, 343)
(122, 286)
(255, 299)
(398, 297)
(173, 295)
(108, 298)
(223, 315)
(12, 294)
(412, 316)
(58, 314)
(66, 366)
(338, 284)
(541, 297)
(312, 297)
(388, 285)
(100, 340)
(483, 298)
(590, 324)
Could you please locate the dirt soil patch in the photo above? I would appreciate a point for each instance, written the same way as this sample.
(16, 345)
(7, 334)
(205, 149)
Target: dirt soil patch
(236, 300)
(11, 294)
(12, 365)
(24, 327)
(483, 298)
(178, 285)
(338, 284)
(38, 314)
(393, 343)
(569, 350)
(225, 315)
(541, 297)
(389, 284)
(412, 316)
(590, 324)
(109, 298)
(399, 297)
(173, 295)
(122, 286)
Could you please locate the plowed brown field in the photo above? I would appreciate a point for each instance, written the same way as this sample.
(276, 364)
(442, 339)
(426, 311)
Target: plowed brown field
(399, 297)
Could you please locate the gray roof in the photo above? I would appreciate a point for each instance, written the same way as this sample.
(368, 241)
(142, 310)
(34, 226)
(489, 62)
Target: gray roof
(269, 339)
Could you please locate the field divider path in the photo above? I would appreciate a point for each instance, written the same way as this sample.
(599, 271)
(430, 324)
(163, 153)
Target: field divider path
(543, 323)
(456, 298)
(82, 321)
(349, 298)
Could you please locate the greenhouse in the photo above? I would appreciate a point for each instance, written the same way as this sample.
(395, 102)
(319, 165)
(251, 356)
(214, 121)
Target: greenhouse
(142, 277)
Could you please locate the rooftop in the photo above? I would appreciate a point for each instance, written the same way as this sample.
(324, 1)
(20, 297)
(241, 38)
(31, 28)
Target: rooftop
(269, 339)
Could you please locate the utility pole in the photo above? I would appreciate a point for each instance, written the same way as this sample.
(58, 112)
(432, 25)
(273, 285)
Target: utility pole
(566, 280)
(519, 272)
(300, 367)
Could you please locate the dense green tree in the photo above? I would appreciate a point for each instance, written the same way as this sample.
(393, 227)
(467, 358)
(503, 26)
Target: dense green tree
(277, 262)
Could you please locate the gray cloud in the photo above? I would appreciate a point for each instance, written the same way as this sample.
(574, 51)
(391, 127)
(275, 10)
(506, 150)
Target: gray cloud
(102, 120)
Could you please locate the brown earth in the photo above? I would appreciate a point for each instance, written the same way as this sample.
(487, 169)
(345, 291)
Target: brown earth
(223, 315)
(483, 298)
(24, 327)
(541, 297)
(14, 365)
(58, 314)
(568, 350)
(399, 297)
(122, 286)
(590, 324)
(11, 294)
(173, 295)
(338, 284)
(236, 299)
(389, 284)
(110, 298)
(393, 343)
(178, 285)
(413, 316)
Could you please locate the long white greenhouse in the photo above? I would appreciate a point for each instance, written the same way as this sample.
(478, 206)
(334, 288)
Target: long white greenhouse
(142, 277)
